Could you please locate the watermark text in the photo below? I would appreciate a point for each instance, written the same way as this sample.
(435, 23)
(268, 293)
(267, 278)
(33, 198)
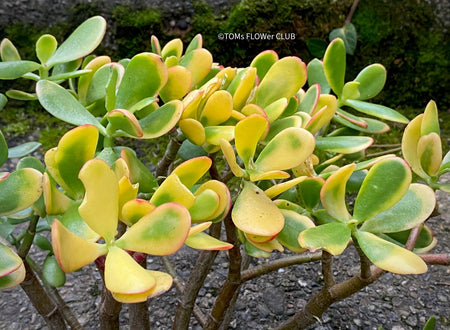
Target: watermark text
(256, 36)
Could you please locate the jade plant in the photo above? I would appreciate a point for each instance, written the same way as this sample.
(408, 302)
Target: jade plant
(260, 151)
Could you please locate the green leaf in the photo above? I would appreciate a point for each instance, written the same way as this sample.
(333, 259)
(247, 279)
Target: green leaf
(371, 81)
(283, 79)
(45, 47)
(316, 46)
(385, 184)
(334, 65)
(63, 105)
(139, 173)
(413, 209)
(31, 162)
(389, 256)
(372, 125)
(20, 95)
(343, 144)
(331, 237)
(23, 149)
(377, 110)
(309, 101)
(8, 52)
(16, 69)
(425, 242)
(188, 150)
(348, 34)
(199, 62)
(294, 224)
(3, 149)
(3, 101)
(431, 324)
(162, 120)
(20, 190)
(52, 273)
(81, 42)
(309, 191)
(42, 242)
(144, 76)
(316, 75)
(263, 61)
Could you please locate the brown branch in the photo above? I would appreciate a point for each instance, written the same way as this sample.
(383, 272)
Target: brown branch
(233, 281)
(352, 11)
(139, 316)
(413, 236)
(436, 259)
(327, 270)
(169, 156)
(193, 285)
(274, 265)
(365, 271)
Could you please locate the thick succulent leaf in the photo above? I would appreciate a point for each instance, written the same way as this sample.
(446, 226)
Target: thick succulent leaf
(279, 188)
(178, 83)
(430, 120)
(8, 52)
(445, 165)
(23, 149)
(74, 149)
(21, 95)
(331, 237)
(253, 251)
(19, 190)
(348, 34)
(206, 203)
(45, 47)
(124, 275)
(202, 241)
(213, 134)
(269, 175)
(275, 109)
(81, 42)
(308, 103)
(255, 213)
(343, 144)
(85, 80)
(377, 110)
(389, 256)
(51, 272)
(385, 184)
(350, 90)
(9, 261)
(13, 279)
(73, 221)
(99, 81)
(173, 190)
(263, 61)
(190, 171)
(133, 210)
(294, 224)
(410, 139)
(334, 65)
(286, 150)
(351, 118)
(173, 48)
(281, 124)
(247, 134)
(193, 130)
(365, 125)
(199, 62)
(250, 109)
(217, 109)
(3, 101)
(425, 241)
(196, 42)
(156, 46)
(160, 232)
(3, 149)
(244, 88)
(100, 206)
(72, 251)
(332, 194)
(268, 247)
(444, 187)
(63, 105)
(121, 119)
(55, 200)
(16, 69)
(284, 79)
(325, 110)
(144, 76)
(162, 120)
(222, 191)
(191, 103)
(199, 228)
(371, 81)
(414, 208)
(316, 75)
(139, 173)
(127, 192)
(429, 151)
(230, 156)
(309, 191)
(163, 284)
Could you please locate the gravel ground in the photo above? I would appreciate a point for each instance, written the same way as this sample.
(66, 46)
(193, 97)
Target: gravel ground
(393, 302)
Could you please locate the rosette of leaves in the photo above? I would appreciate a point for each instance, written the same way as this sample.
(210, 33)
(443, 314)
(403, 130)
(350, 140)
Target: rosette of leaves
(422, 148)
(329, 74)
(387, 203)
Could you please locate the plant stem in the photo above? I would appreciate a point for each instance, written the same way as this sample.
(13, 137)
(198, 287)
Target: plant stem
(352, 11)
(233, 281)
(169, 156)
(195, 282)
(273, 265)
(381, 153)
(27, 241)
(364, 262)
(436, 259)
(41, 300)
(327, 271)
